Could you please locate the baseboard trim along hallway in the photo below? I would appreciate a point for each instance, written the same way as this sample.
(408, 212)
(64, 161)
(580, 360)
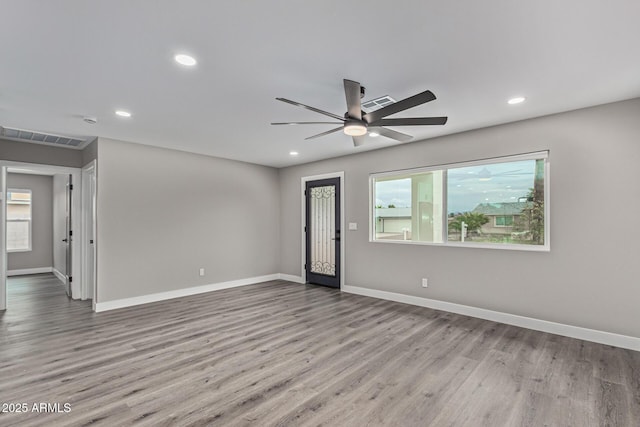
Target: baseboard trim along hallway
(26, 271)
(601, 337)
(59, 275)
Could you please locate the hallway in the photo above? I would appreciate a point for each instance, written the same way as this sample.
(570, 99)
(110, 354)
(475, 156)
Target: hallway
(40, 299)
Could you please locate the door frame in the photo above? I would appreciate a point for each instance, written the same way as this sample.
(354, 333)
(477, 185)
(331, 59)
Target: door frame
(68, 239)
(303, 216)
(89, 206)
(39, 169)
(3, 239)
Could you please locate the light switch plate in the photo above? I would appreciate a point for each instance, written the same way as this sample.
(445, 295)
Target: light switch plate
(353, 226)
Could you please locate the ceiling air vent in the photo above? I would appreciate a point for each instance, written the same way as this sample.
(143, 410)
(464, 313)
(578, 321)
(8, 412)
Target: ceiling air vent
(376, 104)
(45, 138)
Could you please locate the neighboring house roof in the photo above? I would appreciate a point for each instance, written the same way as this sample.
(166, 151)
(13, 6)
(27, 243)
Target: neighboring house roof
(393, 212)
(508, 208)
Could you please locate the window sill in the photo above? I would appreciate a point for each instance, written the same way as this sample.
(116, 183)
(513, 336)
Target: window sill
(504, 246)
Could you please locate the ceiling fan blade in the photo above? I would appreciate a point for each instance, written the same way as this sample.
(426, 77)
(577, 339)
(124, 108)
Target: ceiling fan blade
(297, 104)
(358, 140)
(307, 123)
(393, 134)
(411, 121)
(396, 107)
(352, 93)
(325, 133)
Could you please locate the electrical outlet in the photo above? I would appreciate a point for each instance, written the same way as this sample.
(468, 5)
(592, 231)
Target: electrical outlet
(425, 283)
(202, 272)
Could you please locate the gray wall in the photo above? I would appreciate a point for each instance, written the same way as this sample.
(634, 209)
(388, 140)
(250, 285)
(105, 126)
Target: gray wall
(163, 214)
(41, 154)
(90, 152)
(41, 254)
(590, 276)
(60, 222)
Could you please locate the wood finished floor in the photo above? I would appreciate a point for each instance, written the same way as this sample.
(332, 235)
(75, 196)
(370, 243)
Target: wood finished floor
(286, 354)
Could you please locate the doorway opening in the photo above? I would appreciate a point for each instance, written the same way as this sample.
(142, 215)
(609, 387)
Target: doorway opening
(49, 238)
(322, 220)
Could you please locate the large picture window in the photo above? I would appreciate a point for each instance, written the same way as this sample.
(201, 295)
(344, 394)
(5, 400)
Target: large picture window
(496, 203)
(18, 220)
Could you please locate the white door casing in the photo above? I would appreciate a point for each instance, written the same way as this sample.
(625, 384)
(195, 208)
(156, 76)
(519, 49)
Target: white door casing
(3, 238)
(89, 260)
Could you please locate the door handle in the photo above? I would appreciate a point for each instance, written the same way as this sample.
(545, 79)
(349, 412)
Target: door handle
(65, 240)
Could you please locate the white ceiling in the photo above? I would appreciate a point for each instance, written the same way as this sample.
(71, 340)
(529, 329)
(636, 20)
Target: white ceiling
(65, 59)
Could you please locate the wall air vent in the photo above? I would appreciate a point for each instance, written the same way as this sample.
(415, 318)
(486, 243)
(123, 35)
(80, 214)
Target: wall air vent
(376, 104)
(76, 142)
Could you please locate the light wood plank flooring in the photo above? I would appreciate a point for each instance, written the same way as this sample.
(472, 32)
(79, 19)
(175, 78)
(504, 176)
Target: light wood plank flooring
(285, 354)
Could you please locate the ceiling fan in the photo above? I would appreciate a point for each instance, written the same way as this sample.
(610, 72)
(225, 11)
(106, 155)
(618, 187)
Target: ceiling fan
(356, 123)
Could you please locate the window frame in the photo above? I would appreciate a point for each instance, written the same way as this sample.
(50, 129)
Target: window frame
(30, 220)
(538, 155)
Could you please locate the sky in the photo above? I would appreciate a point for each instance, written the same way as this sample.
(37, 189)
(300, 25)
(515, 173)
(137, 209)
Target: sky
(467, 187)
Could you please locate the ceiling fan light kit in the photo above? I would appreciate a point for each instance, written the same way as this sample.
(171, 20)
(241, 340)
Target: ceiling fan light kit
(355, 128)
(356, 122)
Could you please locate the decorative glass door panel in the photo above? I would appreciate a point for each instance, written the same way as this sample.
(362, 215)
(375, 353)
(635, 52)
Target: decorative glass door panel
(323, 232)
(323, 254)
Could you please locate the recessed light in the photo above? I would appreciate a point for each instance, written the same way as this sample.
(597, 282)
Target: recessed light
(123, 113)
(293, 153)
(516, 100)
(374, 134)
(187, 60)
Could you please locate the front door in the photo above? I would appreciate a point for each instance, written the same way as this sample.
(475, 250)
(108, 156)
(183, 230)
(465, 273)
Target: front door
(323, 232)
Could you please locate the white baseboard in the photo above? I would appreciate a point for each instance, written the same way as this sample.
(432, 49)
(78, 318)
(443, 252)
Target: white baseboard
(25, 271)
(60, 276)
(291, 278)
(161, 296)
(601, 337)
